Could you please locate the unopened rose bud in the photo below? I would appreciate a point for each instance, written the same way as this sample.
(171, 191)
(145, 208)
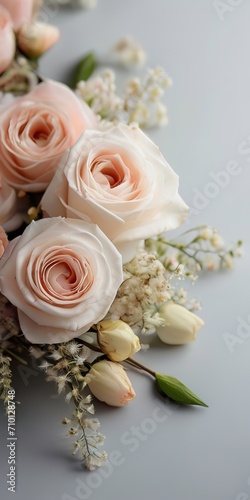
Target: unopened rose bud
(180, 325)
(110, 383)
(35, 38)
(117, 339)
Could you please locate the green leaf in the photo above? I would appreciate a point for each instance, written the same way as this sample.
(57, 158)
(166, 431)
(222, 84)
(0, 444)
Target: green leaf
(84, 69)
(176, 390)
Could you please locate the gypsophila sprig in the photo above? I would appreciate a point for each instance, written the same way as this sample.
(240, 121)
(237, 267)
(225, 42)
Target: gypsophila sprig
(5, 377)
(67, 370)
(197, 249)
(141, 100)
(145, 285)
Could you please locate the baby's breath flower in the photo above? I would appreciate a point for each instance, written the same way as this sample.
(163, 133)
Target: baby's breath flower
(36, 352)
(216, 241)
(144, 286)
(140, 102)
(129, 52)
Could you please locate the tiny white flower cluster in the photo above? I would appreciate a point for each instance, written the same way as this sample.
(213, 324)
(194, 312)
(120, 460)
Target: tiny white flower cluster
(140, 102)
(180, 297)
(99, 93)
(201, 248)
(144, 286)
(129, 52)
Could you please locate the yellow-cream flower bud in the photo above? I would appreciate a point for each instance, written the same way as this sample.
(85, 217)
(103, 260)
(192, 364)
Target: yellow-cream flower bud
(110, 383)
(35, 38)
(117, 339)
(180, 325)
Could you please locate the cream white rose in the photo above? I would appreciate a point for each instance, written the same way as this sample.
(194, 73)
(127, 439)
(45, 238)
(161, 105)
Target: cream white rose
(62, 275)
(119, 180)
(35, 131)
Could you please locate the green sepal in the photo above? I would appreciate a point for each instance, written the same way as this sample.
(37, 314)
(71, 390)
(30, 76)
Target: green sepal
(84, 69)
(176, 390)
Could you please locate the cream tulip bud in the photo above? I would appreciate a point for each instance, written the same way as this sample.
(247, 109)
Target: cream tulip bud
(109, 383)
(117, 339)
(35, 38)
(180, 325)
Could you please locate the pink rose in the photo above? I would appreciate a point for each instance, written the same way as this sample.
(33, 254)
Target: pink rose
(3, 241)
(119, 180)
(62, 275)
(20, 11)
(36, 130)
(7, 39)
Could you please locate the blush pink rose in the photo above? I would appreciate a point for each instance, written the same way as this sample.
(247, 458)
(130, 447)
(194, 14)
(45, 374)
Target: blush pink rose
(36, 130)
(119, 180)
(62, 275)
(21, 11)
(3, 241)
(7, 39)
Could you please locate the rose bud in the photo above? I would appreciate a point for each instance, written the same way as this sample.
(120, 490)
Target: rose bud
(117, 339)
(180, 325)
(35, 38)
(110, 383)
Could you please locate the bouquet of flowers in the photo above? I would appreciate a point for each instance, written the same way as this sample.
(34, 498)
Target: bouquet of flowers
(88, 273)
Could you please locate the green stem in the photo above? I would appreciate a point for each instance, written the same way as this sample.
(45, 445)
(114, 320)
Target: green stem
(18, 358)
(140, 366)
(89, 345)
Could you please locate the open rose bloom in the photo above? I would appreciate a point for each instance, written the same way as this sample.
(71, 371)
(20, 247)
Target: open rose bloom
(35, 131)
(62, 275)
(119, 180)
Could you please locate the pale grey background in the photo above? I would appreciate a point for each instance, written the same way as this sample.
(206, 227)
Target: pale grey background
(195, 453)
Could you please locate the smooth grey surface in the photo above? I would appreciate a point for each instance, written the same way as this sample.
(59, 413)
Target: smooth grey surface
(193, 453)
